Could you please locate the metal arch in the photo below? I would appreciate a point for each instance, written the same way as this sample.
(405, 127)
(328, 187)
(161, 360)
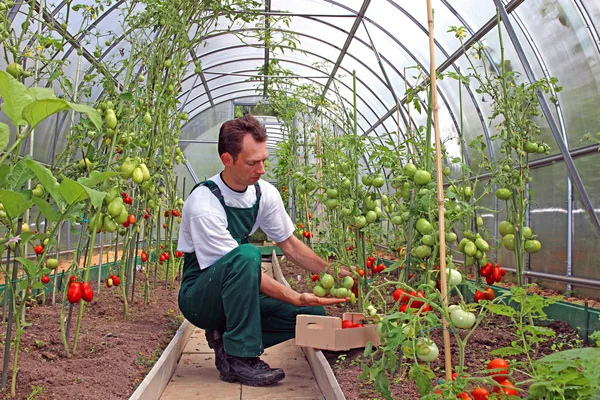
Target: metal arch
(547, 113)
(295, 62)
(589, 22)
(267, 27)
(457, 54)
(233, 83)
(324, 58)
(349, 38)
(308, 52)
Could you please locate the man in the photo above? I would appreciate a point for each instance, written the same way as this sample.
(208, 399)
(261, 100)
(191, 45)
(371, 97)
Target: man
(223, 289)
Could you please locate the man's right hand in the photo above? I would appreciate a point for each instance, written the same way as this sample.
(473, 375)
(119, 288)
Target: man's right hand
(309, 299)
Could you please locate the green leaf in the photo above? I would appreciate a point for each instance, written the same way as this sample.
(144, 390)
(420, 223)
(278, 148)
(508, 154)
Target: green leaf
(38, 93)
(92, 113)
(14, 203)
(39, 110)
(540, 330)
(20, 174)
(501, 309)
(4, 171)
(46, 209)
(22, 285)
(29, 266)
(96, 197)
(422, 376)
(37, 285)
(15, 97)
(127, 96)
(508, 351)
(72, 191)
(4, 135)
(46, 178)
(96, 177)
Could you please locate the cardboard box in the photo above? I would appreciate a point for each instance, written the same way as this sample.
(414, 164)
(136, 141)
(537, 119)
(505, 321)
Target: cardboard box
(326, 333)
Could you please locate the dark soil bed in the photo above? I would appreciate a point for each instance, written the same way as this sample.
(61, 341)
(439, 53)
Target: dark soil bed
(493, 333)
(113, 355)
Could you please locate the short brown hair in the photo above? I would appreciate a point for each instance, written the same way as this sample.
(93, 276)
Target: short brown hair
(232, 134)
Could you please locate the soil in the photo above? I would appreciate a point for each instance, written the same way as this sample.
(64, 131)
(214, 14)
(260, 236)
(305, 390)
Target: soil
(490, 335)
(113, 355)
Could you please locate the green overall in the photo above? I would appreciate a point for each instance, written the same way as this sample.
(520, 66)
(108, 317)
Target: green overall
(226, 296)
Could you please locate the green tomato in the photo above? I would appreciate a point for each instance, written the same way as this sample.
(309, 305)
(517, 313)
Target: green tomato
(147, 119)
(429, 240)
(319, 291)
(541, 149)
(367, 180)
(111, 119)
(397, 220)
(405, 191)
(533, 246)
(451, 237)
(327, 281)
(423, 251)
(384, 200)
(461, 244)
(470, 249)
(342, 293)
(122, 217)
(479, 222)
(16, 70)
(346, 183)
(422, 177)
(467, 192)
(410, 169)
(446, 171)
(38, 191)
(352, 298)
(482, 244)
(346, 212)
(378, 212)
(462, 319)
(145, 171)
(527, 232)
(127, 168)
(405, 216)
(371, 216)
(531, 147)
(332, 193)
(331, 204)
(109, 225)
(503, 194)
(378, 181)
(168, 63)
(423, 226)
(52, 263)
(427, 350)
(348, 282)
(115, 208)
(454, 277)
(137, 175)
(506, 228)
(509, 241)
(358, 222)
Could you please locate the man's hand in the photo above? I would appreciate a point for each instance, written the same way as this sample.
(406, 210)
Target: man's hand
(309, 299)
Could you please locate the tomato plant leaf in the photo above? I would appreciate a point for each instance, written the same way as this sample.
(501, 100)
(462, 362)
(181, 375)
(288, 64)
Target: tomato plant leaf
(15, 204)
(72, 191)
(4, 135)
(422, 376)
(38, 110)
(38, 93)
(23, 285)
(508, 351)
(20, 174)
(96, 197)
(96, 177)
(15, 97)
(46, 209)
(127, 96)
(37, 285)
(92, 113)
(28, 266)
(46, 178)
(4, 171)
(501, 309)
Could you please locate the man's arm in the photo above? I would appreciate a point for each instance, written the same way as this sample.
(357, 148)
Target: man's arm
(276, 290)
(301, 255)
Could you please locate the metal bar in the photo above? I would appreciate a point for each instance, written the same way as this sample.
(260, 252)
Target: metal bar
(361, 13)
(587, 282)
(589, 23)
(292, 14)
(270, 76)
(267, 40)
(571, 168)
(455, 56)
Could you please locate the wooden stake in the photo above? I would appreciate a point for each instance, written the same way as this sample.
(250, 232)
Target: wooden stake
(440, 190)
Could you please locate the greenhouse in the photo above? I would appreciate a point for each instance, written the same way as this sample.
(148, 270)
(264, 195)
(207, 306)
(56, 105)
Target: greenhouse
(308, 199)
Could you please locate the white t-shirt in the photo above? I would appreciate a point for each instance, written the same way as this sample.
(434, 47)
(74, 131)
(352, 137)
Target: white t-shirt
(204, 221)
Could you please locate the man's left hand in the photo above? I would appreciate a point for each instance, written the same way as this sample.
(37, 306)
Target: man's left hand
(309, 299)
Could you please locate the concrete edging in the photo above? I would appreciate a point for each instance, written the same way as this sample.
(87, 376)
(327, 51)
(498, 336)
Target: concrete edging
(330, 388)
(159, 376)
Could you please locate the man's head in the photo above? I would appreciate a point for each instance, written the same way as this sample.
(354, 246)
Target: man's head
(243, 149)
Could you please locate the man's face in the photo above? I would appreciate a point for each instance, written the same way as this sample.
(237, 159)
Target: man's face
(250, 163)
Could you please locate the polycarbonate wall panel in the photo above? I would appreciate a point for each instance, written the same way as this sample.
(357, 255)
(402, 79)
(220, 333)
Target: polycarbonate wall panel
(548, 220)
(475, 13)
(570, 55)
(586, 249)
(206, 125)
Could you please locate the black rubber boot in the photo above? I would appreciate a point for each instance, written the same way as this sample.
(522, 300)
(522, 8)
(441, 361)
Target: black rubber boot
(249, 371)
(215, 342)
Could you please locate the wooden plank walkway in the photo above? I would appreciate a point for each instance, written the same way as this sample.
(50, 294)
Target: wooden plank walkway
(197, 378)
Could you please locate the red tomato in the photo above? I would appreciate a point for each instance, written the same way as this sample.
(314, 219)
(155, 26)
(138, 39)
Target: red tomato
(87, 294)
(501, 366)
(480, 393)
(126, 224)
(489, 280)
(162, 257)
(71, 279)
(162, 246)
(369, 263)
(131, 219)
(74, 293)
(315, 277)
(309, 215)
(464, 396)
(115, 280)
(144, 256)
(401, 295)
(410, 275)
(507, 388)
(361, 272)
(502, 271)
(479, 295)
(175, 213)
(39, 249)
(489, 294)
(45, 279)
(486, 270)
(358, 326)
(128, 200)
(347, 324)
(164, 226)
(416, 303)
(372, 259)
(146, 216)
(124, 194)
(301, 225)
(496, 274)
(166, 214)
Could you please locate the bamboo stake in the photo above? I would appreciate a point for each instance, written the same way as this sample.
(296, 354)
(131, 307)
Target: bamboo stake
(440, 191)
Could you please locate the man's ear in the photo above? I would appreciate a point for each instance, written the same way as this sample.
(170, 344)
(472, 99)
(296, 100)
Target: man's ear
(227, 159)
